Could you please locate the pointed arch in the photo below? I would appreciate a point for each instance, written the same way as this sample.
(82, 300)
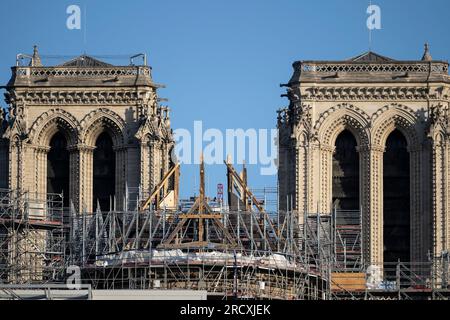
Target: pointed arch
(51, 122)
(396, 116)
(398, 133)
(330, 124)
(101, 120)
(335, 120)
(105, 122)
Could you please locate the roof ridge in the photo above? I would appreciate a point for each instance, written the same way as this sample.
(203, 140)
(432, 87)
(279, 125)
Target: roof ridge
(85, 61)
(370, 56)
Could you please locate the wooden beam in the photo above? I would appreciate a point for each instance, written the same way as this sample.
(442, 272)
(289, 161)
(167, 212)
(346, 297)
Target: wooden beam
(201, 216)
(244, 186)
(161, 184)
(255, 201)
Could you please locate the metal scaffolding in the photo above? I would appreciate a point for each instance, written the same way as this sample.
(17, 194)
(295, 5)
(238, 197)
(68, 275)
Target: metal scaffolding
(123, 250)
(32, 244)
(347, 228)
(243, 253)
(232, 254)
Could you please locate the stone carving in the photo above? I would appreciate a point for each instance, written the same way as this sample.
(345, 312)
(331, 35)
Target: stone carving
(81, 101)
(370, 99)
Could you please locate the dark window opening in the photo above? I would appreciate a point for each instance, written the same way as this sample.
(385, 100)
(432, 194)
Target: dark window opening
(58, 167)
(345, 189)
(345, 197)
(104, 168)
(396, 194)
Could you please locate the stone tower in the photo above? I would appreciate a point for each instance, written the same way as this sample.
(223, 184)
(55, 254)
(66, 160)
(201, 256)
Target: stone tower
(86, 128)
(371, 134)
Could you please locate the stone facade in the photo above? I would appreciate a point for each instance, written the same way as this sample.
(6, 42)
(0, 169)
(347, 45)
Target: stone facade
(81, 99)
(370, 96)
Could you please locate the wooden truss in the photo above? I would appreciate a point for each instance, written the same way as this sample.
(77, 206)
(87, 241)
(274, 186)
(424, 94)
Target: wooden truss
(199, 217)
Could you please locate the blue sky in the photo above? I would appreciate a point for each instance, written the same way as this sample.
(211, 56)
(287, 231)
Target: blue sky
(223, 61)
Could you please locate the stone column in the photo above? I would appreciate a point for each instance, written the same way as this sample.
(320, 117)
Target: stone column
(427, 200)
(144, 165)
(164, 165)
(440, 193)
(85, 176)
(74, 177)
(314, 178)
(153, 161)
(40, 171)
(365, 199)
(301, 182)
(16, 164)
(416, 209)
(121, 164)
(376, 205)
(446, 218)
(298, 185)
(164, 159)
(440, 202)
(155, 164)
(326, 174)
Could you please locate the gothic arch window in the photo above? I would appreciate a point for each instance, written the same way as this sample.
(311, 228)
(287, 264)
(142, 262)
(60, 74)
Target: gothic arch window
(58, 171)
(104, 164)
(396, 199)
(345, 185)
(102, 120)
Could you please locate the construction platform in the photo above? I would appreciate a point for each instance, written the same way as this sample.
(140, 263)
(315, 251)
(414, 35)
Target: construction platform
(234, 251)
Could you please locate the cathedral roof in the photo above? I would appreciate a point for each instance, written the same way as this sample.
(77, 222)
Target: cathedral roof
(371, 67)
(83, 71)
(370, 56)
(85, 61)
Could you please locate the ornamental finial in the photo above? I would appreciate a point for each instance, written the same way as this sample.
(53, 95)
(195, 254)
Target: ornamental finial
(426, 55)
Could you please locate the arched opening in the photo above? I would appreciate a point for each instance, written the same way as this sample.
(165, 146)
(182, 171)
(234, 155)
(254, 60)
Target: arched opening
(104, 167)
(345, 189)
(396, 195)
(58, 167)
(345, 197)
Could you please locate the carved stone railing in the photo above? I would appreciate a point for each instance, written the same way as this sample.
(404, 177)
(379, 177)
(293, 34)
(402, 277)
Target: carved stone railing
(93, 72)
(352, 67)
